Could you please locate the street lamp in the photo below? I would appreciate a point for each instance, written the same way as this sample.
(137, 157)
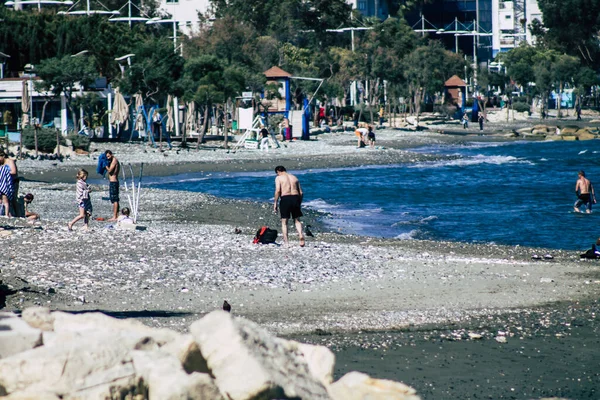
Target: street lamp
(81, 53)
(130, 18)
(157, 20)
(173, 21)
(39, 3)
(30, 70)
(81, 121)
(476, 34)
(3, 57)
(456, 32)
(123, 58)
(88, 10)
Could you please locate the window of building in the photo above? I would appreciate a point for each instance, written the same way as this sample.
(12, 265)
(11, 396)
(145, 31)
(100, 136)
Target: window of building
(172, 1)
(362, 5)
(508, 16)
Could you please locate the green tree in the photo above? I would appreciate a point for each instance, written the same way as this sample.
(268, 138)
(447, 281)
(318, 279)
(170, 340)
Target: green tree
(520, 63)
(210, 82)
(155, 71)
(427, 68)
(65, 76)
(544, 80)
(573, 27)
(564, 69)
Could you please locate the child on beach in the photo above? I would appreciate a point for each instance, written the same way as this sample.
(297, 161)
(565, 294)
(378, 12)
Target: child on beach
(371, 136)
(83, 200)
(465, 121)
(124, 218)
(31, 216)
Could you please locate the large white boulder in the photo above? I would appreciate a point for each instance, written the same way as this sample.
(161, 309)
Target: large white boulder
(32, 395)
(188, 353)
(65, 322)
(39, 318)
(358, 386)
(166, 379)
(320, 360)
(67, 363)
(16, 335)
(248, 363)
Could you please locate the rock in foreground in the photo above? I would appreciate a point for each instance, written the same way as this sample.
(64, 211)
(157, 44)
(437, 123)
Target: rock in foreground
(93, 356)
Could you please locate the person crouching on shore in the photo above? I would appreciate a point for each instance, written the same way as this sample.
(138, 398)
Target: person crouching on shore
(83, 200)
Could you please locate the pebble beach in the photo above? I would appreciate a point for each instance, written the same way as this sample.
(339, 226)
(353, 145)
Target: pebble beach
(192, 251)
(188, 258)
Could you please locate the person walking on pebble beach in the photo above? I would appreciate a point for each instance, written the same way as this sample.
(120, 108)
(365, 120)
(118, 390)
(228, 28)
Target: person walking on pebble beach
(113, 170)
(83, 200)
(288, 194)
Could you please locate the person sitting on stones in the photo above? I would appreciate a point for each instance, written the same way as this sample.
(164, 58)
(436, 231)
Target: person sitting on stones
(124, 218)
(31, 216)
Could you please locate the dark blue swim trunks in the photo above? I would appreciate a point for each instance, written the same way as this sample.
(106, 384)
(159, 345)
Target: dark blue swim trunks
(113, 191)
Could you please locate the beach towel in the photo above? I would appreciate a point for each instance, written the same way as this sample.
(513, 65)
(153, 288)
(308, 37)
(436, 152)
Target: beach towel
(6, 182)
(102, 164)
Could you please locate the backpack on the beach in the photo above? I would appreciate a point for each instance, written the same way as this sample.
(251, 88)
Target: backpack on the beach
(265, 235)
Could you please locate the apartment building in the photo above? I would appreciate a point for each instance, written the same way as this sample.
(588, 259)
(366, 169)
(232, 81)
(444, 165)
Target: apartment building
(510, 21)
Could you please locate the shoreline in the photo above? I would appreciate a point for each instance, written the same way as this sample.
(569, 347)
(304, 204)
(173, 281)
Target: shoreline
(184, 265)
(189, 259)
(334, 150)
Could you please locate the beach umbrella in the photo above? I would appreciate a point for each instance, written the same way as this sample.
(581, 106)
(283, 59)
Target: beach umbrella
(190, 119)
(170, 123)
(120, 111)
(25, 104)
(140, 124)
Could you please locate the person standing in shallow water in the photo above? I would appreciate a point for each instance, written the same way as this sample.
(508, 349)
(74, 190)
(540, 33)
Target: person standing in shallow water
(585, 193)
(113, 170)
(288, 194)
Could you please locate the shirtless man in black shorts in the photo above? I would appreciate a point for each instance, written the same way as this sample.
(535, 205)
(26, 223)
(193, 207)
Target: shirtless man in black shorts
(288, 190)
(585, 193)
(113, 183)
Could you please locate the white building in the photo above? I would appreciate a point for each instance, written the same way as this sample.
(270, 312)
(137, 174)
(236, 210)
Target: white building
(185, 12)
(510, 23)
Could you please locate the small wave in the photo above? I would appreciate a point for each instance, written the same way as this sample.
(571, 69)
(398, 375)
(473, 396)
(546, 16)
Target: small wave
(475, 160)
(323, 206)
(446, 149)
(582, 152)
(416, 221)
(408, 235)
(342, 169)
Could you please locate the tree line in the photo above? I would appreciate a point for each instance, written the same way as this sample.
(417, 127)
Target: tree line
(229, 53)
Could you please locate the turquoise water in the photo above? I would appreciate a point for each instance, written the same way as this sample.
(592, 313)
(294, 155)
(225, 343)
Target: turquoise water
(504, 193)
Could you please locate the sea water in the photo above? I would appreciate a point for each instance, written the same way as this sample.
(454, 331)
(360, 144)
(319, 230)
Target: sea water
(510, 193)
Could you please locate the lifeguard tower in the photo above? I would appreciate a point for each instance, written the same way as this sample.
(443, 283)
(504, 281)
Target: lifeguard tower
(282, 79)
(456, 93)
